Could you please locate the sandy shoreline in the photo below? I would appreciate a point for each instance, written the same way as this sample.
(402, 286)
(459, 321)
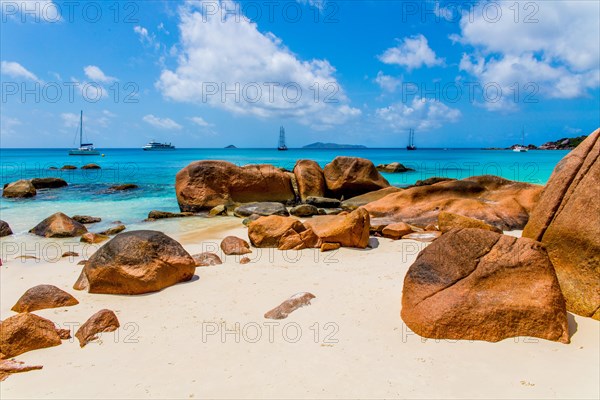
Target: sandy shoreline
(208, 339)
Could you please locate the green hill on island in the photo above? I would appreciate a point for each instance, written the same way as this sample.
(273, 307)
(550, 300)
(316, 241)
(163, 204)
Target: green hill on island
(321, 145)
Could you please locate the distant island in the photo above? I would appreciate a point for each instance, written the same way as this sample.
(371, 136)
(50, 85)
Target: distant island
(230, 147)
(321, 145)
(560, 144)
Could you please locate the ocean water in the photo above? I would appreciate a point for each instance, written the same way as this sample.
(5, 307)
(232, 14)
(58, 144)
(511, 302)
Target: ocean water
(155, 173)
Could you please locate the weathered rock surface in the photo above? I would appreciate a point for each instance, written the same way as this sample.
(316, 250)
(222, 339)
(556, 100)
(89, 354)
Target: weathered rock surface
(448, 221)
(431, 181)
(207, 259)
(113, 230)
(136, 262)
(91, 166)
(8, 367)
(25, 332)
(234, 246)
(68, 167)
(48, 183)
(497, 201)
(155, 214)
(310, 179)
(86, 219)
(394, 167)
(218, 210)
(244, 260)
(323, 202)
(268, 231)
(203, 185)
(103, 321)
(263, 209)
(290, 305)
(123, 187)
(364, 199)
(5, 229)
(19, 189)
(351, 176)
(474, 284)
(396, 231)
(350, 230)
(567, 221)
(93, 238)
(304, 210)
(330, 247)
(43, 296)
(59, 225)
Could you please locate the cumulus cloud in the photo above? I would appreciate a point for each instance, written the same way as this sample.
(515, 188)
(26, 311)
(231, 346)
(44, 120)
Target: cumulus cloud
(554, 46)
(411, 52)
(161, 123)
(421, 114)
(387, 82)
(227, 63)
(200, 122)
(17, 71)
(95, 74)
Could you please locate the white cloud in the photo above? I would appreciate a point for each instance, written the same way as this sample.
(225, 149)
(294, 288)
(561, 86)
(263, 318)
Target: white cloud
(411, 52)
(387, 82)
(421, 114)
(162, 123)
(96, 75)
(146, 37)
(71, 120)
(200, 122)
(30, 10)
(219, 53)
(554, 46)
(16, 70)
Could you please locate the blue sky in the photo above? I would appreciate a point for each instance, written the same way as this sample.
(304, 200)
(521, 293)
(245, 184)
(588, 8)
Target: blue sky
(212, 73)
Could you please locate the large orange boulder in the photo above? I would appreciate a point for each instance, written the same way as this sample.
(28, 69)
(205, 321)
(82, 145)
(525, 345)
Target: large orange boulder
(268, 231)
(352, 176)
(203, 185)
(448, 221)
(19, 189)
(59, 225)
(310, 179)
(567, 221)
(474, 284)
(136, 262)
(349, 230)
(43, 296)
(364, 199)
(25, 332)
(496, 201)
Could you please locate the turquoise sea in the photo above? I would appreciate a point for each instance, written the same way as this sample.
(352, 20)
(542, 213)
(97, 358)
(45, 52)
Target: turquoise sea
(155, 173)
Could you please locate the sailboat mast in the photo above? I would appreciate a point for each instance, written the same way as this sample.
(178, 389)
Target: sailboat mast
(80, 128)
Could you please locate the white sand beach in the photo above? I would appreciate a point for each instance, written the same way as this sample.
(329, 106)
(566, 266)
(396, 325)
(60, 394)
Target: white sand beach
(207, 338)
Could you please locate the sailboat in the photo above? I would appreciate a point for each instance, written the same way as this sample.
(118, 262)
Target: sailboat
(282, 146)
(85, 149)
(411, 140)
(521, 148)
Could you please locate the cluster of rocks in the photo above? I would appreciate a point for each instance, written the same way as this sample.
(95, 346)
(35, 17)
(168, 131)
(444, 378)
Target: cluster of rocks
(475, 283)
(203, 185)
(25, 188)
(26, 331)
